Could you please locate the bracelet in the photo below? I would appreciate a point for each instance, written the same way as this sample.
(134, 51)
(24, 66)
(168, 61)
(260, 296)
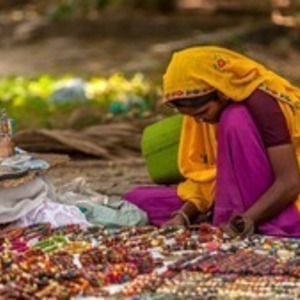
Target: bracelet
(248, 225)
(184, 216)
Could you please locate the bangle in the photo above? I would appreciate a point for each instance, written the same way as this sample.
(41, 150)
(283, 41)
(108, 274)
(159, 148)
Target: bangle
(183, 215)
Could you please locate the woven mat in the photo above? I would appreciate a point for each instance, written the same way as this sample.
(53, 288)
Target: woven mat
(53, 160)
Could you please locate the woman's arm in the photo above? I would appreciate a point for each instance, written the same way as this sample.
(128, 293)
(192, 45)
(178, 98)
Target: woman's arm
(285, 188)
(187, 211)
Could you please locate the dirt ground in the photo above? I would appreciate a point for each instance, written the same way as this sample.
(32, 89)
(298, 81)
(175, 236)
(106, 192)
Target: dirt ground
(130, 44)
(106, 177)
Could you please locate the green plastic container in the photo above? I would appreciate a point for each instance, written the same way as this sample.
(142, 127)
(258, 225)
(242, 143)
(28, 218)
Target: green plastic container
(160, 144)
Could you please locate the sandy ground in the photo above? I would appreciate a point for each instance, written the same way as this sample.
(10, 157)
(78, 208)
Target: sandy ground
(106, 177)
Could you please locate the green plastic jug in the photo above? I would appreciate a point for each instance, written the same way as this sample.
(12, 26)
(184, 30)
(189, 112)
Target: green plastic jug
(160, 143)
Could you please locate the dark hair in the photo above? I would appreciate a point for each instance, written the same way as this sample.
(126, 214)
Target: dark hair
(194, 101)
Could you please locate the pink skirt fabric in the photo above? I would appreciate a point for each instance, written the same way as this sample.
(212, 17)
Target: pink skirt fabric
(245, 173)
(159, 202)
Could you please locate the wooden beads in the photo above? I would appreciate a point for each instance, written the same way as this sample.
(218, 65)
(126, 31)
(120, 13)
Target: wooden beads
(120, 273)
(41, 262)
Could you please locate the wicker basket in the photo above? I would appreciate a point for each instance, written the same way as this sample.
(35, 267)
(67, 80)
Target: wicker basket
(160, 144)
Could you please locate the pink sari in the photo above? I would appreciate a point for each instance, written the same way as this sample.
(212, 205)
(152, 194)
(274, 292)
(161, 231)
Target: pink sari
(244, 173)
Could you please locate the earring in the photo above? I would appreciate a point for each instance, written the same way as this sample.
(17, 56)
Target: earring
(223, 97)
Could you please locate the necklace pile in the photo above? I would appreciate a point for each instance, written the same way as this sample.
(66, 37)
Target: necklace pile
(199, 262)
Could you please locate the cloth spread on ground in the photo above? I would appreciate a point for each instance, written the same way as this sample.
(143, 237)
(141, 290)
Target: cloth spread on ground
(25, 161)
(110, 211)
(111, 217)
(54, 213)
(38, 202)
(18, 201)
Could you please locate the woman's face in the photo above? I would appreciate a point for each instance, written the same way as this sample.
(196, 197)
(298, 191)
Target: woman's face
(209, 112)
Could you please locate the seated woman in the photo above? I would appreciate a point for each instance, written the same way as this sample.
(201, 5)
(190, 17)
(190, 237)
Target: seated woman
(240, 143)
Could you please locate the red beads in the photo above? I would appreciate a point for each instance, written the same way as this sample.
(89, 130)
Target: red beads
(120, 273)
(38, 262)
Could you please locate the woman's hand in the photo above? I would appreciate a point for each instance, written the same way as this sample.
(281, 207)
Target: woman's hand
(187, 214)
(177, 220)
(239, 226)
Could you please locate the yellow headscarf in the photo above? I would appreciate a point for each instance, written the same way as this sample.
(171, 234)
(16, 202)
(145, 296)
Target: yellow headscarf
(197, 71)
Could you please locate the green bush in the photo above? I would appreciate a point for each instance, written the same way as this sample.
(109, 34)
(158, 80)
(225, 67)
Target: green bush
(51, 102)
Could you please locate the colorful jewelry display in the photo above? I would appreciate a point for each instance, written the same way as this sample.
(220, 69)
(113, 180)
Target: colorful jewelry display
(38, 262)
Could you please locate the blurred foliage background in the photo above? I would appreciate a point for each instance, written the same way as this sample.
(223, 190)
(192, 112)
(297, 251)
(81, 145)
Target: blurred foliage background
(74, 63)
